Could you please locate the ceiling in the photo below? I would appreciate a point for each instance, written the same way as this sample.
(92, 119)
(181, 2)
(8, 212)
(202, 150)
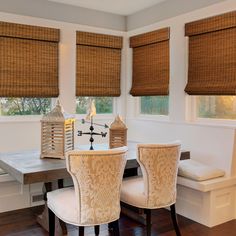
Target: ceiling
(121, 7)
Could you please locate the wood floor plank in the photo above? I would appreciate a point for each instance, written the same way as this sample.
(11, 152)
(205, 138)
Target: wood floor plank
(23, 223)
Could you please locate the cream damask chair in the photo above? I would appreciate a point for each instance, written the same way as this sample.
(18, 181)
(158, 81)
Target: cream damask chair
(95, 197)
(157, 187)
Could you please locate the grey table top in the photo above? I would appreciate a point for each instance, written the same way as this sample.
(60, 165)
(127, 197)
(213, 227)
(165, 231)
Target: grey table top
(27, 167)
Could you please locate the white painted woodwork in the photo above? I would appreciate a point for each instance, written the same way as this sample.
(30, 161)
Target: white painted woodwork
(210, 203)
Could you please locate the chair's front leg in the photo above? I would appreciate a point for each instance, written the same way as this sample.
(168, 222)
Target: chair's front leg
(110, 226)
(81, 230)
(174, 220)
(148, 221)
(96, 230)
(51, 217)
(60, 184)
(116, 230)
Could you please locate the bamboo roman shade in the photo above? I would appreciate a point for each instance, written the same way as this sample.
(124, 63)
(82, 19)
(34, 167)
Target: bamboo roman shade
(98, 64)
(150, 63)
(28, 61)
(212, 55)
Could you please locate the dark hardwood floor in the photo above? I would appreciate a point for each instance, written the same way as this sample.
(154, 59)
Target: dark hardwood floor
(23, 223)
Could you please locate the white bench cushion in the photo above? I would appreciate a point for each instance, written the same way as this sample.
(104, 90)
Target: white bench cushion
(2, 172)
(198, 171)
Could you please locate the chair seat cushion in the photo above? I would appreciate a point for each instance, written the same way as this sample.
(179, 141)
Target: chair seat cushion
(198, 171)
(132, 192)
(63, 203)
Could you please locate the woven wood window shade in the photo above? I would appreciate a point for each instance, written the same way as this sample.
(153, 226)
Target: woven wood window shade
(150, 63)
(28, 61)
(98, 64)
(212, 55)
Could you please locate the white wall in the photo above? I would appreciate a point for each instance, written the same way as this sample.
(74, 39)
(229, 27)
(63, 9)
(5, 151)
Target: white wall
(24, 134)
(64, 12)
(165, 10)
(19, 133)
(210, 144)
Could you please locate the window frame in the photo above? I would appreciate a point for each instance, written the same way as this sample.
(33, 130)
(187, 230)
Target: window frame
(193, 118)
(141, 116)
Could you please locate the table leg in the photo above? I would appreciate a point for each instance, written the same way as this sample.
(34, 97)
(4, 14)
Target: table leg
(43, 218)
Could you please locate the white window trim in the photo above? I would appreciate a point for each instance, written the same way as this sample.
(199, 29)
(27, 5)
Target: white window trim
(192, 115)
(141, 116)
(20, 118)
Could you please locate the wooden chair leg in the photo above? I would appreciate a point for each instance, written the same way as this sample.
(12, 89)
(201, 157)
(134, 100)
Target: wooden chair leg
(96, 230)
(51, 218)
(81, 230)
(60, 184)
(174, 220)
(148, 221)
(116, 229)
(110, 226)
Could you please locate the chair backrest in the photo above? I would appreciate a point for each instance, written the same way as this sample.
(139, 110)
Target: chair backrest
(159, 165)
(97, 178)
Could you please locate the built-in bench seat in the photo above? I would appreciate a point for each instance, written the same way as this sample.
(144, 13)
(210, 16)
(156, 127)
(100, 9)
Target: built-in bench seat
(13, 195)
(2, 172)
(207, 185)
(5, 177)
(209, 202)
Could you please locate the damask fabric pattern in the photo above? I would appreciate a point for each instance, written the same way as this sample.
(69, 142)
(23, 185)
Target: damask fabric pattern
(97, 179)
(159, 164)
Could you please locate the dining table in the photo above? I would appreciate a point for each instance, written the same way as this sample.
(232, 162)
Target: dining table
(28, 168)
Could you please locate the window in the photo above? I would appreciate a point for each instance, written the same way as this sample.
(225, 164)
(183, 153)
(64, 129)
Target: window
(28, 61)
(24, 106)
(98, 64)
(28, 69)
(216, 107)
(154, 105)
(150, 73)
(104, 105)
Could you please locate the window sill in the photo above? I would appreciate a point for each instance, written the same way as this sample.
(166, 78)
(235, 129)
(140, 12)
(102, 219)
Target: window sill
(159, 118)
(213, 123)
(184, 123)
(20, 119)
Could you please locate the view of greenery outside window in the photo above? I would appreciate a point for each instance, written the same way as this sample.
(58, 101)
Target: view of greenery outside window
(104, 105)
(24, 106)
(154, 105)
(216, 107)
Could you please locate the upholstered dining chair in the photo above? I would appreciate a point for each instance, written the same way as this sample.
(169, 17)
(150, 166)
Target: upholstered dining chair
(157, 187)
(95, 197)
